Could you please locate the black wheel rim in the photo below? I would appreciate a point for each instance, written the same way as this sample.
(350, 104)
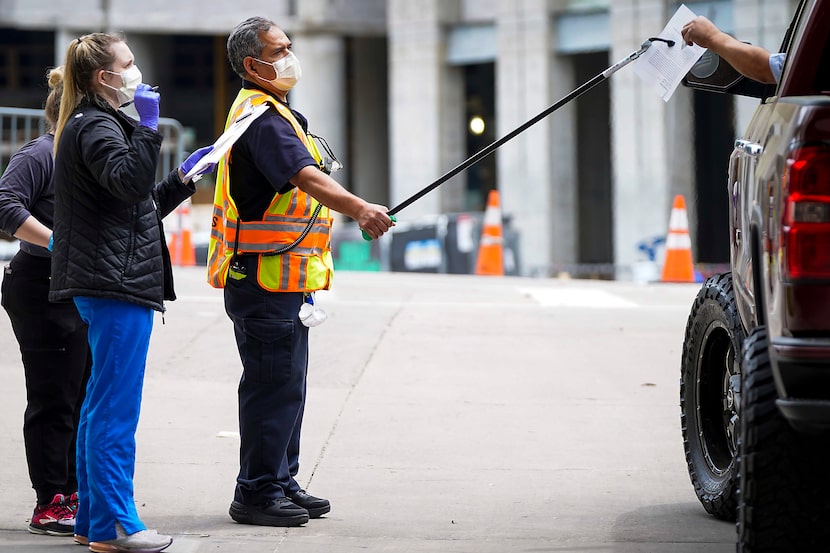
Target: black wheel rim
(718, 398)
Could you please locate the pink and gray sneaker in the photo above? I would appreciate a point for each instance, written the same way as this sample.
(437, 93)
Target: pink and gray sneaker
(55, 519)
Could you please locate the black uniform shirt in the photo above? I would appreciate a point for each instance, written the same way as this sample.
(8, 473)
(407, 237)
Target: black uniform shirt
(264, 159)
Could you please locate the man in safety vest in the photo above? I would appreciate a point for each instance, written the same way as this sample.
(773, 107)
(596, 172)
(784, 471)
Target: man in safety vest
(270, 249)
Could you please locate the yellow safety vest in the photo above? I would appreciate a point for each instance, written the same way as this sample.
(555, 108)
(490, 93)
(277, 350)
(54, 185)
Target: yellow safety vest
(304, 268)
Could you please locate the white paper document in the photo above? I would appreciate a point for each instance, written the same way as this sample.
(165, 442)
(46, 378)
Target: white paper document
(664, 67)
(231, 135)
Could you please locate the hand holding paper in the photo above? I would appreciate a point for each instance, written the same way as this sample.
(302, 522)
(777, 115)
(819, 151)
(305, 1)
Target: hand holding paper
(664, 67)
(194, 158)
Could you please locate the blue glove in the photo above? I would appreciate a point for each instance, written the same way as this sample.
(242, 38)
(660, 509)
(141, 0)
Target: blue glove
(51, 242)
(194, 158)
(147, 105)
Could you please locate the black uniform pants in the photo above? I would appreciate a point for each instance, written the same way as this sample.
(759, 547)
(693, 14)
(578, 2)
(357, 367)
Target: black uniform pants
(56, 363)
(273, 346)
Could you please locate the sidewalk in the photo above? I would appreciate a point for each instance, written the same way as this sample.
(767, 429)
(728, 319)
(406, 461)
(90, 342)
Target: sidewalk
(445, 413)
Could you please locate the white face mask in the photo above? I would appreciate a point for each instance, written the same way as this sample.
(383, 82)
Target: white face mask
(287, 71)
(130, 79)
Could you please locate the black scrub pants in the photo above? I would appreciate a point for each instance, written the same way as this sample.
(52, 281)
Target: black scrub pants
(273, 346)
(53, 345)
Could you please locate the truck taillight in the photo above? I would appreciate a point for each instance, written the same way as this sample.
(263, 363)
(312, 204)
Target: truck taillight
(806, 213)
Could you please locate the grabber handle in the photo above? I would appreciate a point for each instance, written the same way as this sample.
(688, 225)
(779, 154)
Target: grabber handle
(369, 238)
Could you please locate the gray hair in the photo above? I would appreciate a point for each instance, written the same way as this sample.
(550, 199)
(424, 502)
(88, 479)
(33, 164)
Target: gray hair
(244, 41)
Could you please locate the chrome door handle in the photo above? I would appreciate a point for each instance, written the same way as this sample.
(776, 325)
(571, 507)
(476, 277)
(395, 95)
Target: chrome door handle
(748, 147)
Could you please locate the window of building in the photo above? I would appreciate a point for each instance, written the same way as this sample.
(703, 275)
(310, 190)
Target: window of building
(24, 58)
(192, 62)
(480, 110)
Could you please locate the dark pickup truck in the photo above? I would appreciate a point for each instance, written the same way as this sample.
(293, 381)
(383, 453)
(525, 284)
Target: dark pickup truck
(755, 374)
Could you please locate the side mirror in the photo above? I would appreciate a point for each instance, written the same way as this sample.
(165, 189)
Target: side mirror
(713, 73)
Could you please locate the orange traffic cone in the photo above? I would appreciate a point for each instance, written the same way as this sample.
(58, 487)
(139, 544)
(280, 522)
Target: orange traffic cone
(182, 251)
(678, 265)
(490, 250)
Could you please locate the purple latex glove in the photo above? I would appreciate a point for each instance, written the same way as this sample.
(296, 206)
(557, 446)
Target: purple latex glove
(194, 158)
(146, 103)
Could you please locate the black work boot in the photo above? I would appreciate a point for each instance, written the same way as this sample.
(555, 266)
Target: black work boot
(316, 506)
(279, 512)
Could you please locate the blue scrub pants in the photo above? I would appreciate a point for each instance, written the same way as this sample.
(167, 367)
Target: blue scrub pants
(273, 346)
(119, 337)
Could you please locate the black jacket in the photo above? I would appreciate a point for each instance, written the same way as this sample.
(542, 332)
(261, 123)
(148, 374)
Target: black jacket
(108, 236)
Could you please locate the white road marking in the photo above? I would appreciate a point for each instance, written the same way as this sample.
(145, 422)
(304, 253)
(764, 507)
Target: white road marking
(577, 297)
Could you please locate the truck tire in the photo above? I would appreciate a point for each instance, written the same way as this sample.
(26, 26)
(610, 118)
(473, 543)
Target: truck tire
(783, 477)
(709, 395)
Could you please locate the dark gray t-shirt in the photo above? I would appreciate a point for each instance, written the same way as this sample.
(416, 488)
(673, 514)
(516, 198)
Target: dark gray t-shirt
(26, 189)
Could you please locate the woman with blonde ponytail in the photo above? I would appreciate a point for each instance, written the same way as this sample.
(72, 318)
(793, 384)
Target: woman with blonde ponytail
(110, 258)
(52, 337)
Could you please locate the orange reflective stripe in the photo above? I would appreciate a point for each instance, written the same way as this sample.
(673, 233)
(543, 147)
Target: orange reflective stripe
(261, 238)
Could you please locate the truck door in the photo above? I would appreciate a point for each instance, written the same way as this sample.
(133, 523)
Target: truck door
(742, 193)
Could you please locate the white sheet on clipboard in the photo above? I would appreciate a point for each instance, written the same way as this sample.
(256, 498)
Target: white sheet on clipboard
(231, 135)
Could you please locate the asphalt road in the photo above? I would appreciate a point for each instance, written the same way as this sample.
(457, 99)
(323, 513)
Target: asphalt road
(445, 413)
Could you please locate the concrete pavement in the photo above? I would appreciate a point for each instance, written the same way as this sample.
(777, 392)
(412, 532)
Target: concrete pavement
(445, 413)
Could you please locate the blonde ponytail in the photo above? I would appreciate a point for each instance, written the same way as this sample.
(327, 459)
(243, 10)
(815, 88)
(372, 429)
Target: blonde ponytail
(84, 57)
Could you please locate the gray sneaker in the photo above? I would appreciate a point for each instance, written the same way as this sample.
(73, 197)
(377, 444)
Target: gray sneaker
(145, 541)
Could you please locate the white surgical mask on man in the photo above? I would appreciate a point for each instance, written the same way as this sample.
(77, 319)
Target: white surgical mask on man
(130, 79)
(287, 70)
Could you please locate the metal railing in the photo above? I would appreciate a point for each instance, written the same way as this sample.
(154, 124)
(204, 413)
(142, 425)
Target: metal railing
(17, 127)
(20, 125)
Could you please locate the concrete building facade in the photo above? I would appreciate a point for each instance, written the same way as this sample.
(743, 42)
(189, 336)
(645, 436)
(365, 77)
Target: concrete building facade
(591, 186)
(405, 90)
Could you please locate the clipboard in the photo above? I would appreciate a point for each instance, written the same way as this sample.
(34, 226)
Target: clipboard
(248, 115)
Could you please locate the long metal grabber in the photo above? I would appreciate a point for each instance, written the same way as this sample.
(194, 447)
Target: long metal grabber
(486, 151)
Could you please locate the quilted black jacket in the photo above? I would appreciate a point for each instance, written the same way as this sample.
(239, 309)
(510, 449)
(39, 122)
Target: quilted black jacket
(108, 236)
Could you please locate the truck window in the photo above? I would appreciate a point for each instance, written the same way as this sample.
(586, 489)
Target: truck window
(808, 52)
